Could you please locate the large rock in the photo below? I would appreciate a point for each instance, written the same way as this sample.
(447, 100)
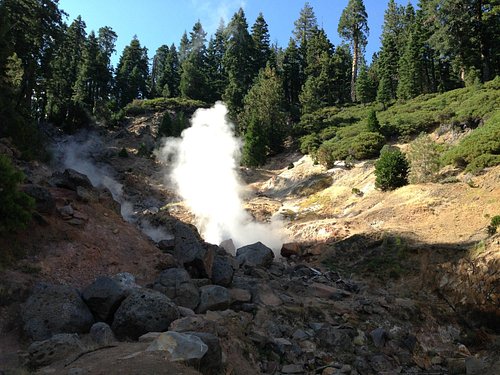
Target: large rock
(103, 297)
(255, 255)
(176, 284)
(143, 311)
(53, 309)
(222, 271)
(70, 179)
(211, 362)
(45, 203)
(180, 346)
(60, 346)
(213, 297)
(190, 251)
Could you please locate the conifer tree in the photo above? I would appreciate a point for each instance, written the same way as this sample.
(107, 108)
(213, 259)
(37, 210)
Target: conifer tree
(292, 80)
(132, 73)
(364, 86)
(353, 26)
(261, 43)
(238, 63)
(264, 108)
(216, 72)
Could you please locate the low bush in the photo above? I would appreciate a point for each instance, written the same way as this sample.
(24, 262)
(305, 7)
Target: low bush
(139, 106)
(391, 169)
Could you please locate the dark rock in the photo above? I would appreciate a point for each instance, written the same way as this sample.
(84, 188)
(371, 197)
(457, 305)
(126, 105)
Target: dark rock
(228, 246)
(45, 203)
(213, 297)
(222, 271)
(255, 255)
(60, 346)
(190, 252)
(70, 179)
(383, 364)
(456, 366)
(143, 311)
(103, 297)
(102, 334)
(338, 339)
(379, 336)
(167, 246)
(53, 309)
(176, 284)
(240, 295)
(211, 362)
(290, 249)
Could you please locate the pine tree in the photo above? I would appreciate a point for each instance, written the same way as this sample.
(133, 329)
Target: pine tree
(184, 48)
(411, 75)
(264, 108)
(216, 72)
(292, 80)
(132, 73)
(305, 26)
(254, 148)
(193, 82)
(353, 26)
(65, 69)
(238, 63)
(364, 86)
(391, 169)
(261, 42)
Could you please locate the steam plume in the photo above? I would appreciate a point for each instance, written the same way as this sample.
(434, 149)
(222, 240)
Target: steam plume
(205, 163)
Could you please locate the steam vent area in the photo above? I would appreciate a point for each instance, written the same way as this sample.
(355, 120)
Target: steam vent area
(148, 254)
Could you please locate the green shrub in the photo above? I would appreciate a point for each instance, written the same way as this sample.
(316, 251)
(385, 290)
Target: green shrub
(481, 162)
(139, 106)
(372, 122)
(309, 144)
(165, 127)
(391, 169)
(424, 160)
(494, 224)
(15, 206)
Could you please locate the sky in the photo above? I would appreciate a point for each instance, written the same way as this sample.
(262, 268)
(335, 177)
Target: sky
(157, 22)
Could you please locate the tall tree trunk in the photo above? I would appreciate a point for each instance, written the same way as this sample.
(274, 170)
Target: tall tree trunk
(354, 71)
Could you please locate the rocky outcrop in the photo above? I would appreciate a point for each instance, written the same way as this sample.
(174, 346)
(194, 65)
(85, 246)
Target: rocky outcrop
(213, 297)
(53, 309)
(190, 251)
(60, 346)
(143, 311)
(255, 255)
(177, 285)
(103, 297)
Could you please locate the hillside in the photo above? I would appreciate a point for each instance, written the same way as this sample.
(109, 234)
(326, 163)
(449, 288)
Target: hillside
(402, 281)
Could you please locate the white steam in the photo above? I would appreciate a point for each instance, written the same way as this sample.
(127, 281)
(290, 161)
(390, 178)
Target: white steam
(205, 163)
(77, 154)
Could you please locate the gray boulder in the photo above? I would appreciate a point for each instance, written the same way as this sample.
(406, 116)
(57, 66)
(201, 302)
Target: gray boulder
(70, 179)
(60, 346)
(177, 285)
(255, 255)
(126, 281)
(180, 346)
(102, 334)
(45, 203)
(53, 309)
(190, 251)
(222, 271)
(144, 311)
(211, 362)
(103, 297)
(213, 297)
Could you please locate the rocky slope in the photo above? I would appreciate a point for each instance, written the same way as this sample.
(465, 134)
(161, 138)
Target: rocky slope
(373, 283)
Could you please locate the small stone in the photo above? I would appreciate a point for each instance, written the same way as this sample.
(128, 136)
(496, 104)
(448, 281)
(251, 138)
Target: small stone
(102, 334)
(184, 311)
(300, 335)
(379, 336)
(180, 346)
(329, 371)
(346, 369)
(66, 211)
